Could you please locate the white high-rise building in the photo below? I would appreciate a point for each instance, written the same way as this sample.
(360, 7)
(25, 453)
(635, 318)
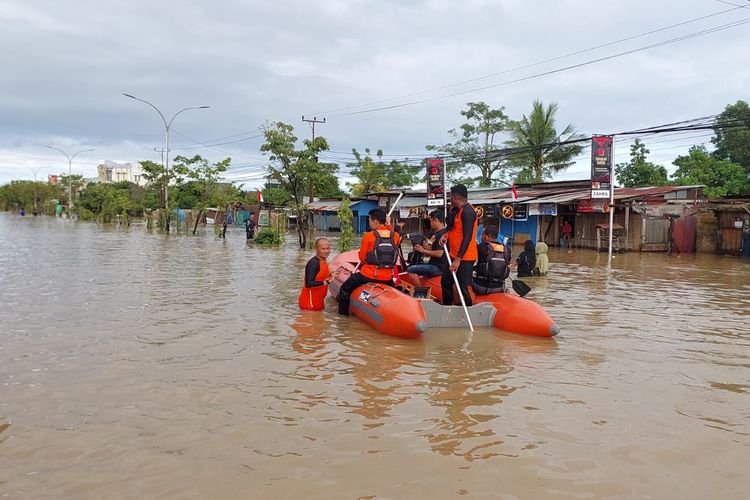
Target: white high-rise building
(111, 171)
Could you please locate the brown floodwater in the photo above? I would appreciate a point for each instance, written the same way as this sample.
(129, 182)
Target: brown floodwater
(138, 365)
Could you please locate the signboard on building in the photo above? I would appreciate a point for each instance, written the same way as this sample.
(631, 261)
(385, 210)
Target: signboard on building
(543, 209)
(601, 165)
(520, 212)
(435, 182)
(586, 206)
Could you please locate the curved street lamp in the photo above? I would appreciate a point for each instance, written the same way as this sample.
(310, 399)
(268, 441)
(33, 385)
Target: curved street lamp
(70, 171)
(167, 126)
(36, 171)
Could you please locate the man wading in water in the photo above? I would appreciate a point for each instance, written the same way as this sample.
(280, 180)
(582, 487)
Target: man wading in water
(317, 278)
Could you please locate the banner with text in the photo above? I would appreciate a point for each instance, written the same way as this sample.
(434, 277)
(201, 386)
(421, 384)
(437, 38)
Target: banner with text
(435, 182)
(601, 165)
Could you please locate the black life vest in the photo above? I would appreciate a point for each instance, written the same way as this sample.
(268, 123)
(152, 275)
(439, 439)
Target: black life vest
(385, 253)
(494, 269)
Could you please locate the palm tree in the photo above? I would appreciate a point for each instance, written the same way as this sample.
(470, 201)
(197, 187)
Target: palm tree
(542, 151)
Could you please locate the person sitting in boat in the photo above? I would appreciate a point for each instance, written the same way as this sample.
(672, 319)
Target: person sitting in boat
(317, 278)
(526, 260)
(437, 263)
(492, 266)
(542, 260)
(378, 253)
(462, 226)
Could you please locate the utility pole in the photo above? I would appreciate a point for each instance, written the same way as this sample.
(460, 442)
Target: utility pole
(312, 125)
(162, 190)
(161, 152)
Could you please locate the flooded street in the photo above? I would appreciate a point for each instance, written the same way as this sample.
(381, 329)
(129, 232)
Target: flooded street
(134, 365)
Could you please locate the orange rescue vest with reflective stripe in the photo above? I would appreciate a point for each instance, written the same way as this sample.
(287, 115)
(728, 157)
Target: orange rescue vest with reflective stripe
(312, 299)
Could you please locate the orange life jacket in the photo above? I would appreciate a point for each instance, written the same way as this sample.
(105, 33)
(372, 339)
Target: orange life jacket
(312, 299)
(456, 235)
(369, 242)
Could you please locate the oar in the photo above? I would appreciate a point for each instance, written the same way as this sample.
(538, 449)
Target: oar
(520, 287)
(455, 280)
(401, 194)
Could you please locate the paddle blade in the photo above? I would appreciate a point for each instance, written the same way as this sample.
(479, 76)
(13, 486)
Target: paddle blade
(520, 287)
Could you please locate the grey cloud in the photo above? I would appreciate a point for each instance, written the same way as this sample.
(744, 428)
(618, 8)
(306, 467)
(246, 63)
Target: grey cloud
(65, 65)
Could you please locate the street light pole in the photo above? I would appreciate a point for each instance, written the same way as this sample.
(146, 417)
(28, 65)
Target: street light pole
(36, 170)
(167, 127)
(70, 171)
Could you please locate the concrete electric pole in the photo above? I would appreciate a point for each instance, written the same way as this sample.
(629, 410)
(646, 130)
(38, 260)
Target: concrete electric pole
(312, 125)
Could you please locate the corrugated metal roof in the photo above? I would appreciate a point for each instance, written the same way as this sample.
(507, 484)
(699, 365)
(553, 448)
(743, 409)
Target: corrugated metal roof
(645, 192)
(562, 198)
(324, 206)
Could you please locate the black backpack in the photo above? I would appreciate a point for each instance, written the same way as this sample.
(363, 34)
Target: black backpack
(495, 269)
(385, 253)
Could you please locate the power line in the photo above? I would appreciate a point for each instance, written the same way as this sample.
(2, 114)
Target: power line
(558, 70)
(538, 63)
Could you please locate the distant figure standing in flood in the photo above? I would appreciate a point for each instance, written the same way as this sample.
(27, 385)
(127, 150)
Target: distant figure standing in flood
(250, 227)
(317, 278)
(542, 260)
(566, 232)
(526, 260)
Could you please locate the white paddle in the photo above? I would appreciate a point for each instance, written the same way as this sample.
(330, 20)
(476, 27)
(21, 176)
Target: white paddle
(458, 287)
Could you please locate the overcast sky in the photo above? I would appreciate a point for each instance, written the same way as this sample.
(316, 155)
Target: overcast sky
(65, 64)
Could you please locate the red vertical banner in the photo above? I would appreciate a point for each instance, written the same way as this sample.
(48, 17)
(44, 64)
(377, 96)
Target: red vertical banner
(435, 182)
(601, 165)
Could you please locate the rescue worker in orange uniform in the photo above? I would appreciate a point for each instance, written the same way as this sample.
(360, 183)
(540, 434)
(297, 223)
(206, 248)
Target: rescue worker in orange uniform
(378, 253)
(462, 247)
(317, 278)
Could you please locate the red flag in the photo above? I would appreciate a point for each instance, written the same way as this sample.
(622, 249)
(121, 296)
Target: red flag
(260, 196)
(515, 193)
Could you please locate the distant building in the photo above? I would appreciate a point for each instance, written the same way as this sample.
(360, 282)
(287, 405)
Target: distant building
(110, 172)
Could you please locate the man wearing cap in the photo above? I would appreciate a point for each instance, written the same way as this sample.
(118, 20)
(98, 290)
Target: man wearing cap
(462, 247)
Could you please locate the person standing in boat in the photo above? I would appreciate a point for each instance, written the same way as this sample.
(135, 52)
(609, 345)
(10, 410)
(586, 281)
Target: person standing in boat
(317, 278)
(378, 253)
(462, 226)
(492, 264)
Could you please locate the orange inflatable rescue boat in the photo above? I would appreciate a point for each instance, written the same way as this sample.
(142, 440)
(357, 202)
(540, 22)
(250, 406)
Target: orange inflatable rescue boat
(393, 312)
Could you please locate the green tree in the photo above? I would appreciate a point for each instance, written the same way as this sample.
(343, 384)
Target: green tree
(106, 201)
(292, 168)
(27, 194)
(156, 176)
(205, 178)
(76, 185)
(347, 231)
(720, 177)
(639, 172)
(732, 139)
(537, 150)
(474, 146)
(378, 175)
(276, 196)
(326, 186)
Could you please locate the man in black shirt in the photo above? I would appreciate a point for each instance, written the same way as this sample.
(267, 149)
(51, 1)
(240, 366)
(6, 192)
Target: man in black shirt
(438, 262)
